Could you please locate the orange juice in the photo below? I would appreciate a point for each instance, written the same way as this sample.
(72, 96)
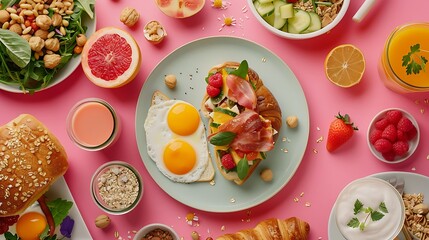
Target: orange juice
(391, 69)
(92, 124)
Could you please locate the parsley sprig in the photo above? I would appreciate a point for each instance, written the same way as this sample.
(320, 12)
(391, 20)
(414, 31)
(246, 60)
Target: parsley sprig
(413, 61)
(375, 215)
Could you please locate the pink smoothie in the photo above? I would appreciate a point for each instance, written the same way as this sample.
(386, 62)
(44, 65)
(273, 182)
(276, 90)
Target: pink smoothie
(92, 124)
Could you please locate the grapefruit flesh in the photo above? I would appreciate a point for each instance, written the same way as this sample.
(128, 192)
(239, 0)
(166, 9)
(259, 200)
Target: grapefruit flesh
(111, 58)
(180, 8)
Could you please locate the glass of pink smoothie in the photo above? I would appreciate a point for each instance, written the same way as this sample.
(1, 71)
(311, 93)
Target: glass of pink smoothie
(93, 124)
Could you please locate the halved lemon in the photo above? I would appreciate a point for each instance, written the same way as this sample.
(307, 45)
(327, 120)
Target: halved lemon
(345, 65)
(111, 58)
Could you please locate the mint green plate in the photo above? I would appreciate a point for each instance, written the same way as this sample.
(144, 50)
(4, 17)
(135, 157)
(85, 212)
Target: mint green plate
(190, 63)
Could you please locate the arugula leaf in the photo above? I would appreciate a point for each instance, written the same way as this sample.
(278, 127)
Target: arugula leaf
(413, 62)
(242, 168)
(357, 207)
(222, 138)
(17, 48)
(86, 4)
(242, 70)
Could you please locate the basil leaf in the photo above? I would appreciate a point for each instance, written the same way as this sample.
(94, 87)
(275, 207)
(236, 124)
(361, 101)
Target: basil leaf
(86, 5)
(17, 48)
(242, 168)
(222, 138)
(7, 3)
(241, 70)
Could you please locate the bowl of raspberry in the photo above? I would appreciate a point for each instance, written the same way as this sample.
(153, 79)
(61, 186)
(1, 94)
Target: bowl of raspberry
(393, 135)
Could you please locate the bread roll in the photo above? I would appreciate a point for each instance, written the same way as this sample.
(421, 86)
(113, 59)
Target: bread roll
(31, 160)
(273, 229)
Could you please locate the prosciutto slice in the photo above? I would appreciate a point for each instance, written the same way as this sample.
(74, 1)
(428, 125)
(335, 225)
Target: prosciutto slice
(252, 133)
(241, 91)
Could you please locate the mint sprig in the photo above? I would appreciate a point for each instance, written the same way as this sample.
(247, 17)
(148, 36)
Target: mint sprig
(413, 61)
(372, 214)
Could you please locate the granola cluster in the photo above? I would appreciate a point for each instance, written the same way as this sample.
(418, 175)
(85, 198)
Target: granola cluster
(416, 215)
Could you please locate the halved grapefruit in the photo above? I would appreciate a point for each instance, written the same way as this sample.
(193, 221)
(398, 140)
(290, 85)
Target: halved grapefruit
(180, 8)
(111, 57)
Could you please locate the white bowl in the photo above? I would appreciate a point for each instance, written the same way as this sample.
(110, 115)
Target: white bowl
(148, 228)
(413, 143)
(284, 34)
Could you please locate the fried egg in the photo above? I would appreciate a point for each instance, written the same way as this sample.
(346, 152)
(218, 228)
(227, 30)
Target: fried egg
(176, 140)
(31, 223)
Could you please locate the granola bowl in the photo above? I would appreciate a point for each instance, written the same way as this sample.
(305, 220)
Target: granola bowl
(299, 19)
(116, 187)
(156, 231)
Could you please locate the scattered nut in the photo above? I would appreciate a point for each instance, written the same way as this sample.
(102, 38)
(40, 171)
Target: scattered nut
(170, 81)
(266, 175)
(43, 22)
(51, 60)
(36, 43)
(102, 221)
(292, 121)
(129, 16)
(421, 208)
(81, 40)
(195, 235)
(154, 32)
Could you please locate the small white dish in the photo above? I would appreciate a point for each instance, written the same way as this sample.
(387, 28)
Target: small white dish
(413, 143)
(300, 36)
(151, 227)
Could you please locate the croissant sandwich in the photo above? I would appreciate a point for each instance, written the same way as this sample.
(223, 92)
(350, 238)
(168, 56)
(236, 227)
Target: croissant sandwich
(244, 119)
(273, 229)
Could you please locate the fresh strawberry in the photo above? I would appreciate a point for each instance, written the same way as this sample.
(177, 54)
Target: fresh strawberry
(381, 124)
(400, 148)
(374, 135)
(393, 116)
(216, 80)
(390, 133)
(340, 131)
(212, 91)
(389, 156)
(383, 145)
(405, 125)
(228, 162)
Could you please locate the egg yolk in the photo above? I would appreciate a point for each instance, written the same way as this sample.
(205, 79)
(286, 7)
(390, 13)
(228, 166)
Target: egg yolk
(179, 157)
(183, 119)
(30, 225)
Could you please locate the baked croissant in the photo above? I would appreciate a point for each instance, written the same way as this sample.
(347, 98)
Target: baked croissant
(273, 229)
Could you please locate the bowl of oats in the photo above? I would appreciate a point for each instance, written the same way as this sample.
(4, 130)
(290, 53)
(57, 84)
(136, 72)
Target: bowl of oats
(116, 187)
(156, 231)
(299, 19)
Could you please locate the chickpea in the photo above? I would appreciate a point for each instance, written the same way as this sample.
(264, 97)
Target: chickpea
(52, 60)
(26, 37)
(56, 20)
(81, 40)
(43, 22)
(52, 44)
(16, 28)
(36, 43)
(77, 49)
(43, 34)
(4, 16)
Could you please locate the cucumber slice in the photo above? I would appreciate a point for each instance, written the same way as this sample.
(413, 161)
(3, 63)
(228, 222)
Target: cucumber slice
(265, 1)
(275, 19)
(286, 11)
(300, 22)
(315, 24)
(264, 9)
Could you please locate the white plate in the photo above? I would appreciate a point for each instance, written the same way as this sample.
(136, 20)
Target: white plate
(190, 63)
(414, 183)
(68, 69)
(60, 190)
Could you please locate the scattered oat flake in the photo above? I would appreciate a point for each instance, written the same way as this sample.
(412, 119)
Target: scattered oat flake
(232, 200)
(284, 139)
(302, 194)
(264, 59)
(320, 139)
(212, 182)
(285, 150)
(315, 151)
(116, 234)
(296, 199)
(319, 238)
(307, 204)
(222, 228)
(422, 111)
(413, 169)
(426, 101)
(427, 157)
(317, 128)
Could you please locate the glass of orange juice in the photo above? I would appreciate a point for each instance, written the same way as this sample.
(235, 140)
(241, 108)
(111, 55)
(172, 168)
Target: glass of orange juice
(93, 124)
(402, 64)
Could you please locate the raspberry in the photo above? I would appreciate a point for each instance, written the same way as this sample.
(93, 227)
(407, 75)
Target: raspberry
(216, 80)
(10, 220)
(411, 134)
(400, 135)
(383, 145)
(393, 116)
(374, 135)
(381, 124)
(3, 228)
(212, 91)
(389, 133)
(228, 162)
(400, 148)
(389, 156)
(405, 125)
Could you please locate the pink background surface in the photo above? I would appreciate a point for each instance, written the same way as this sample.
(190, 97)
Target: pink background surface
(320, 176)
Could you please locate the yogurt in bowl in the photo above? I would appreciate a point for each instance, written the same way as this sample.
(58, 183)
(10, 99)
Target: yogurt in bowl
(371, 209)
